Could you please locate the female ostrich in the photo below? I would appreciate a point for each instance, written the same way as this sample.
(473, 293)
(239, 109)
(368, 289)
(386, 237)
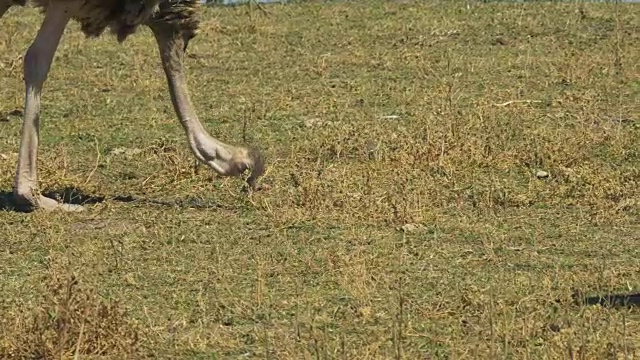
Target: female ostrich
(173, 24)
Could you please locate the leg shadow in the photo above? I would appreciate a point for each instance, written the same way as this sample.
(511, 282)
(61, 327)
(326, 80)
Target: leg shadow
(68, 195)
(607, 300)
(75, 196)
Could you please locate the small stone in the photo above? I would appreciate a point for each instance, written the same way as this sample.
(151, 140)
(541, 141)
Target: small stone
(500, 41)
(130, 279)
(365, 311)
(540, 174)
(313, 122)
(411, 227)
(125, 151)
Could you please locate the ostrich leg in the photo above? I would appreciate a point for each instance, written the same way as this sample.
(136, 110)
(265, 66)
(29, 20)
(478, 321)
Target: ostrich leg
(226, 160)
(37, 62)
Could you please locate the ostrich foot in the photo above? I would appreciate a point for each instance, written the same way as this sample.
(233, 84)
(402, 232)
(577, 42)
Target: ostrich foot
(31, 202)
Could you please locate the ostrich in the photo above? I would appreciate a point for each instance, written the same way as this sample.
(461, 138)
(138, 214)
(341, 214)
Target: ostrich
(173, 23)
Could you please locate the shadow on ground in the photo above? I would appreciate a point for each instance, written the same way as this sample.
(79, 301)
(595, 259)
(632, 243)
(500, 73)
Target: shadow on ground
(607, 300)
(69, 195)
(75, 196)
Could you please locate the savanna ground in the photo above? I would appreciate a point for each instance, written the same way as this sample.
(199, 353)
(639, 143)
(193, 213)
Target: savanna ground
(405, 218)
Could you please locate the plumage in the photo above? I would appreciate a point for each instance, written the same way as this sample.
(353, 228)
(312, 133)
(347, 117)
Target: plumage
(123, 17)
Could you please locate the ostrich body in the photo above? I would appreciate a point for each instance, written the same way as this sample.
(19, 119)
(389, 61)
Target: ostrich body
(173, 23)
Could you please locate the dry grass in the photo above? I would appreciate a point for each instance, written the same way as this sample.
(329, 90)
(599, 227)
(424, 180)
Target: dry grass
(405, 219)
(72, 321)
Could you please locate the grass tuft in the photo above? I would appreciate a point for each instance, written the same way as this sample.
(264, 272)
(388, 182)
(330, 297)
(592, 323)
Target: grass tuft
(69, 320)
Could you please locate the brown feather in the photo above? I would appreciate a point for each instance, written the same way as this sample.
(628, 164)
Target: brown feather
(123, 17)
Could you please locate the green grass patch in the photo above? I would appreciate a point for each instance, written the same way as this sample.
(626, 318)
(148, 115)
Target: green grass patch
(405, 218)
